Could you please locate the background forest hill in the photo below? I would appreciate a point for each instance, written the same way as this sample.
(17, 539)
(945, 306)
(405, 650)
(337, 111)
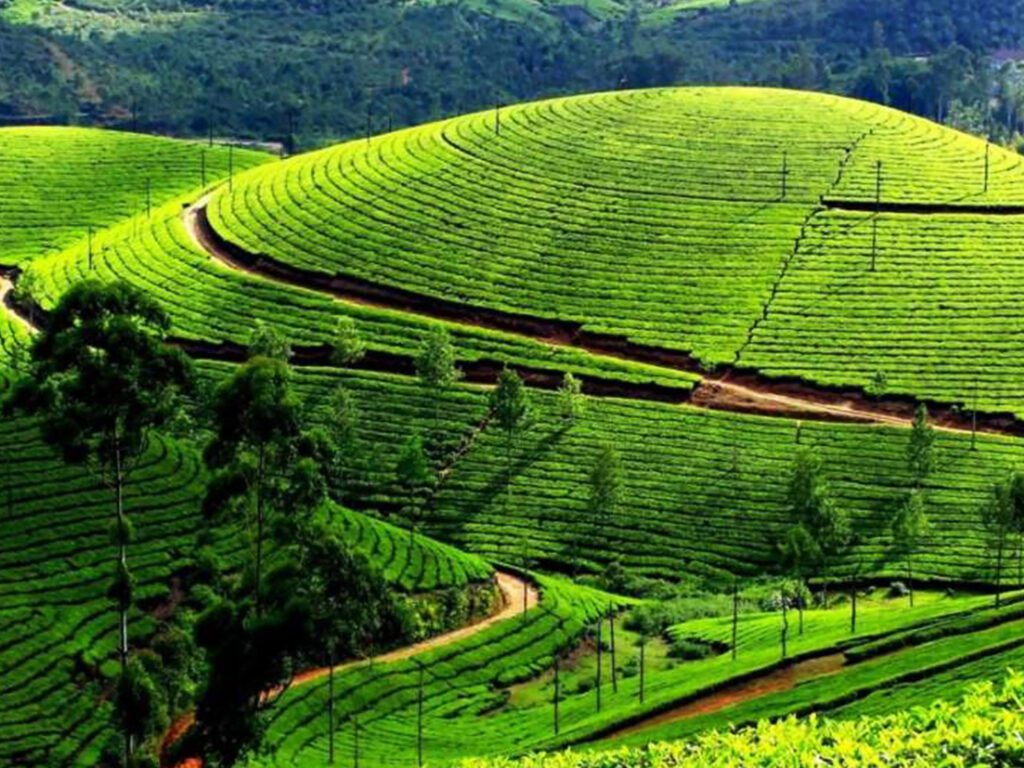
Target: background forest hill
(306, 72)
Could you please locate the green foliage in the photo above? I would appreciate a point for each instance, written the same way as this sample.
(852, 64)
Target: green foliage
(605, 485)
(266, 341)
(820, 530)
(415, 477)
(510, 402)
(570, 393)
(979, 730)
(347, 346)
(919, 446)
(435, 363)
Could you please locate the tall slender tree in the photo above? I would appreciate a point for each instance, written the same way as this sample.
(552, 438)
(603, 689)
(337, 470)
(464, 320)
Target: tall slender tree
(511, 406)
(909, 527)
(101, 378)
(256, 431)
(920, 447)
(997, 517)
(435, 365)
(605, 487)
(570, 398)
(415, 477)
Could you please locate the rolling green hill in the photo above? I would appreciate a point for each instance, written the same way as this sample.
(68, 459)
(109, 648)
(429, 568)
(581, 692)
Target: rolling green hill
(662, 217)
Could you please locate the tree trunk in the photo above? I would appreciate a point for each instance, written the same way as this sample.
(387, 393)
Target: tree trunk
(122, 600)
(999, 570)
(330, 704)
(910, 579)
(611, 630)
(785, 627)
(261, 469)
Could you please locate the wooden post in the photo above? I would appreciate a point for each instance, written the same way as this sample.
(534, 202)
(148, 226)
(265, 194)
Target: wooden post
(330, 708)
(598, 686)
(611, 630)
(558, 692)
(643, 643)
(785, 173)
(419, 721)
(878, 212)
(785, 625)
(974, 417)
(735, 614)
(988, 147)
(355, 740)
(853, 608)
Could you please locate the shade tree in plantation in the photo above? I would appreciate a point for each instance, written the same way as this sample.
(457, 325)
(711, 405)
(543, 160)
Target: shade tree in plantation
(570, 398)
(909, 527)
(100, 379)
(997, 517)
(351, 608)
(920, 447)
(436, 368)
(819, 530)
(415, 478)
(266, 341)
(256, 428)
(340, 418)
(510, 404)
(347, 345)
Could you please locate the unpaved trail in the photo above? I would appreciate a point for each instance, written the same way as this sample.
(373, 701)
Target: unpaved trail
(6, 288)
(518, 596)
(778, 680)
(732, 390)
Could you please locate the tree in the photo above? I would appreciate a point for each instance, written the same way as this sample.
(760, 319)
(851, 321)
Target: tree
(920, 447)
(605, 485)
(101, 378)
(415, 478)
(997, 517)
(909, 527)
(347, 346)
(266, 341)
(341, 416)
(511, 406)
(351, 606)
(256, 428)
(570, 398)
(811, 507)
(435, 365)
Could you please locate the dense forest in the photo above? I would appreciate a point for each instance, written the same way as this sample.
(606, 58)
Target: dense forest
(321, 69)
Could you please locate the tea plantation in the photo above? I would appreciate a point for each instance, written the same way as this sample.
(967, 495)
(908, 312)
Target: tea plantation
(799, 247)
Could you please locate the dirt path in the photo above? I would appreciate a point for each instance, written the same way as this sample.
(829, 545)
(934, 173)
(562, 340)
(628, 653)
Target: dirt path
(730, 389)
(776, 681)
(6, 288)
(518, 595)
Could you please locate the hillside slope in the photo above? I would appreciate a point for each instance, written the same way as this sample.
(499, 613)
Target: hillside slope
(738, 225)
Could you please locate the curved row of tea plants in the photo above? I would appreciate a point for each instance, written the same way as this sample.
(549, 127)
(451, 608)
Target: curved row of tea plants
(55, 183)
(982, 728)
(659, 215)
(703, 492)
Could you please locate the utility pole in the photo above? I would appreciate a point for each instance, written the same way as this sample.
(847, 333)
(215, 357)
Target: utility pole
(988, 148)
(643, 644)
(785, 174)
(419, 720)
(611, 626)
(558, 692)
(598, 686)
(735, 614)
(974, 417)
(878, 212)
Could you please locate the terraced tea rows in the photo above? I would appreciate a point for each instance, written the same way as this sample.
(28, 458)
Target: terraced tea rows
(210, 303)
(672, 217)
(939, 316)
(703, 492)
(55, 183)
(459, 686)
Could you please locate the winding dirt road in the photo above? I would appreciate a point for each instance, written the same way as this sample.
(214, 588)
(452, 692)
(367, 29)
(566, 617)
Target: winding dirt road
(733, 390)
(518, 596)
